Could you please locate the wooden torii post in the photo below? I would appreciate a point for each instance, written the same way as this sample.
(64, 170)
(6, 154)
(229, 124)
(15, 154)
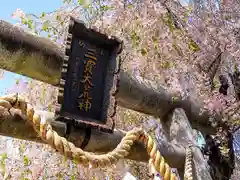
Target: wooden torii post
(41, 59)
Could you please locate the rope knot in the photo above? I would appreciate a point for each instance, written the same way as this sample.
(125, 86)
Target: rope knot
(18, 102)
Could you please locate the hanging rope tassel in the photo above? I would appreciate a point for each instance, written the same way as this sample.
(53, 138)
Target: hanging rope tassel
(188, 165)
(87, 159)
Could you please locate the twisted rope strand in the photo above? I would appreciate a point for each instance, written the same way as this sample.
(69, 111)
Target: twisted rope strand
(188, 165)
(68, 149)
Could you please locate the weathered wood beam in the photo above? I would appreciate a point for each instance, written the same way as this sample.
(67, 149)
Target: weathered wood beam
(15, 125)
(142, 96)
(39, 58)
(29, 55)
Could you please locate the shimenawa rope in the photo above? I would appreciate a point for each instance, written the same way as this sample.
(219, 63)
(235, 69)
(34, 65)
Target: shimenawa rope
(188, 164)
(68, 149)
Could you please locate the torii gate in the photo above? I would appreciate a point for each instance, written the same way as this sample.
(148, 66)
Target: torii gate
(133, 93)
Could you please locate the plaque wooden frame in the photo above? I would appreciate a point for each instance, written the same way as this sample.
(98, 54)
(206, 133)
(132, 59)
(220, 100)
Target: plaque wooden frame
(89, 79)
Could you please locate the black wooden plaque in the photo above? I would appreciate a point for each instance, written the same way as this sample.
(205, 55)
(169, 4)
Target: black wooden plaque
(87, 77)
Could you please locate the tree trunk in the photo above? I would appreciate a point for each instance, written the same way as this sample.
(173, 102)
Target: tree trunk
(179, 131)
